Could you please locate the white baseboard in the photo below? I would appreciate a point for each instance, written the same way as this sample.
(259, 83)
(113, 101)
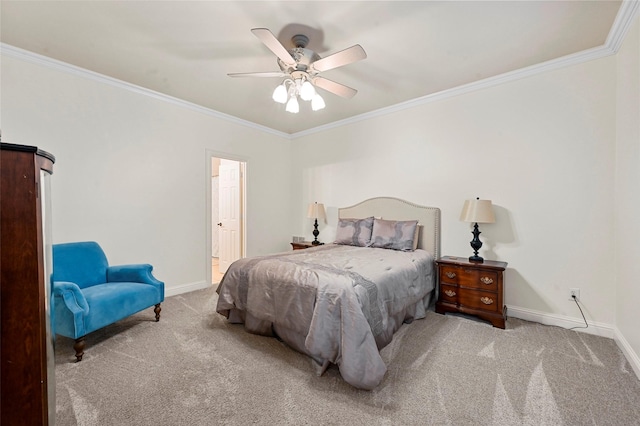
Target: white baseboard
(628, 352)
(185, 288)
(598, 329)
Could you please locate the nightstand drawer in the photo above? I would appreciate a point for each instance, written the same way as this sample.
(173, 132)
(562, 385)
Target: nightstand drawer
(480, 300)
(449, 293)
(469, 277)
(475, 278)
(450, 274)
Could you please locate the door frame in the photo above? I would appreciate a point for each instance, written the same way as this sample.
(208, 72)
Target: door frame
(209, 154)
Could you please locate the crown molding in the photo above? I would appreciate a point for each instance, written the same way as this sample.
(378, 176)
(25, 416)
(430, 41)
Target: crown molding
(576, 58)
(624, 19)
(622, 23)
(27, 56)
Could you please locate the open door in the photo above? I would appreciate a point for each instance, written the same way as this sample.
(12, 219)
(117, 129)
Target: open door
(226, 218)
(229, 213)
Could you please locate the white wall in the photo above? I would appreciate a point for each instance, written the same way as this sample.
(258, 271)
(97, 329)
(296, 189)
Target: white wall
(131, 170)
(627, 190)
(541, 148)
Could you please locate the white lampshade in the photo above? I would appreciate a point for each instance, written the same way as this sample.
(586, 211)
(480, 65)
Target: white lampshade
(317, 102)
(280, 94)
(307, 92)
(478, 211)
(292, 105)
(316, 211)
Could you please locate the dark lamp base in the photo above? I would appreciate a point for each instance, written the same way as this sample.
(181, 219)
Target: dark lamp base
(476, 244)
(315, 241)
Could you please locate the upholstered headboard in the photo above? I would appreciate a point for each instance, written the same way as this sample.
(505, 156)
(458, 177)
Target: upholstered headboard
(390, 208)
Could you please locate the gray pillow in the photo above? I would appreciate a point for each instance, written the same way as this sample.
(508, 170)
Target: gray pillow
(354, 232)
(394, 234)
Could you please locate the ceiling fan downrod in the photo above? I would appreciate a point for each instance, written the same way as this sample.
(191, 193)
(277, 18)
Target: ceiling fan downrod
(300, 40)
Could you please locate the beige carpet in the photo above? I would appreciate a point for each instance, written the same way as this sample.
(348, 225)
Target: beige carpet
(193, 368)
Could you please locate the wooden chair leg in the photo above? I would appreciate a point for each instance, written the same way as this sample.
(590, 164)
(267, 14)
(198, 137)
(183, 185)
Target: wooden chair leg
(157, 311)
(79, 347)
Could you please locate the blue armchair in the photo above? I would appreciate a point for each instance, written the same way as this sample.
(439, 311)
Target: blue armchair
(88, 294)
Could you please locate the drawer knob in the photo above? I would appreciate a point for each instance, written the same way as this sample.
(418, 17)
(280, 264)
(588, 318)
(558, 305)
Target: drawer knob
(450, 274)
(486, 280)
(450, 293)
(486, 300)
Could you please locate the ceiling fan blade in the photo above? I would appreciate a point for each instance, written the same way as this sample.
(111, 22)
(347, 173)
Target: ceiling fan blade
(269, 40)
(335, 88)
(344, 57)
(258, 74)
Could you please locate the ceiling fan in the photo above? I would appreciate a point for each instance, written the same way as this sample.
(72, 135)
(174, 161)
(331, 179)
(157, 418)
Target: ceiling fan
(301, 68)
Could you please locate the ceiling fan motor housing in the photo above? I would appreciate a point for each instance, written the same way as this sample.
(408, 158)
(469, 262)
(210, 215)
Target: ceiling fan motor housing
(304, 57)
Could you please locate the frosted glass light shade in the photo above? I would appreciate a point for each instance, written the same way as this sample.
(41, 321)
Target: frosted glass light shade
(292, 105)
(317, 102)
(280, 94)
(479, 211)
(307, 92)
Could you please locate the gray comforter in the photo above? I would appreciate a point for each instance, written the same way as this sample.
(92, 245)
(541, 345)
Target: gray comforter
(336, 303)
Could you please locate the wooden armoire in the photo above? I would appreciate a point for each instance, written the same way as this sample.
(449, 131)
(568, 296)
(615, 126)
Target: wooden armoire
(27, 396)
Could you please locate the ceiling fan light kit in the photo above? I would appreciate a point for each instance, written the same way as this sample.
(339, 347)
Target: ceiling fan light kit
(289, 90)
(300, 68)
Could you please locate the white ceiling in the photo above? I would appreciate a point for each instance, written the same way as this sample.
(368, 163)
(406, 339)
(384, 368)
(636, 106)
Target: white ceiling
(185, 49)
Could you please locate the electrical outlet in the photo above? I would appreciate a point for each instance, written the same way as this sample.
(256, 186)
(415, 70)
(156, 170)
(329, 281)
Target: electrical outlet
(574, 292)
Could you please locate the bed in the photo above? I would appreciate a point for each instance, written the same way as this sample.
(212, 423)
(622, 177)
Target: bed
(341, 302)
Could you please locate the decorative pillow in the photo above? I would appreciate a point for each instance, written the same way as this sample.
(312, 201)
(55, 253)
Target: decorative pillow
(354, 232)
(394, 234)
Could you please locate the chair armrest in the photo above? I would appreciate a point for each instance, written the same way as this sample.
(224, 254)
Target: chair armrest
(135, 273)
(72, 296)
(132, 273)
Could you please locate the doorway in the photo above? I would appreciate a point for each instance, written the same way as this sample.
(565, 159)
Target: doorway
(226, 218)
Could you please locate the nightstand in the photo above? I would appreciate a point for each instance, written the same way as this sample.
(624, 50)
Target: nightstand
(302, 245)
(472, 288)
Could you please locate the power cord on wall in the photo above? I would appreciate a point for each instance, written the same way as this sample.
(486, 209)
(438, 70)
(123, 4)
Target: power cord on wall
(586, 325)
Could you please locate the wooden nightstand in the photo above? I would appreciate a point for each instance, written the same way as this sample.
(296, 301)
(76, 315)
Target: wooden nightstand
(302, 245)
(472, 288)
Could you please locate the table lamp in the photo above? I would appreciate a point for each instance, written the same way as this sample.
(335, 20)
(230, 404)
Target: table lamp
(478, 211)
(316, 211)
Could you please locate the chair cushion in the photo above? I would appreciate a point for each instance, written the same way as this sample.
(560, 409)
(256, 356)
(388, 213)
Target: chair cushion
(111, 302)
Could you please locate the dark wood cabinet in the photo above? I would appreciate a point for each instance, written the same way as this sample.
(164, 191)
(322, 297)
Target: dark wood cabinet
(472, 288)
(27, 369)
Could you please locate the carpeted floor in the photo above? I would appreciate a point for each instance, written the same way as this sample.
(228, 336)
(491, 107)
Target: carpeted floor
(193, 368)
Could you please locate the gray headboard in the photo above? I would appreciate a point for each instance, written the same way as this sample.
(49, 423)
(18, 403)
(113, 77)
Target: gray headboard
(390, 208)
